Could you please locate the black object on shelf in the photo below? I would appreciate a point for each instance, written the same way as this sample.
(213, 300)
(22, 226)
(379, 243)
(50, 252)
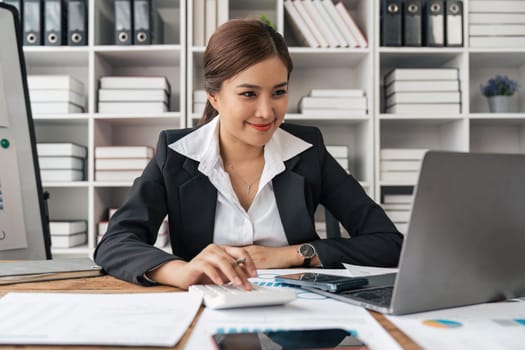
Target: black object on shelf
(54, 22)
(412, 30)
(391, 23)
(77, 23)
(123, 22)
(32, 23)
(434, 20)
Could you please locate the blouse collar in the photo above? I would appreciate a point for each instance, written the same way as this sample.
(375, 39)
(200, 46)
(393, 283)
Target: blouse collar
(202, 145)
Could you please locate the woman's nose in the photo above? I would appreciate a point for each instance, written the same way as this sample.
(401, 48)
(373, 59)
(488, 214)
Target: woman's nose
(265, 108)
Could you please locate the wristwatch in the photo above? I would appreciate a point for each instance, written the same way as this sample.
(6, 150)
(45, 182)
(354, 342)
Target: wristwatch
(307, 251)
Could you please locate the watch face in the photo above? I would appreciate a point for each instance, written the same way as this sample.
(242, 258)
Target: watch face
(307, 250)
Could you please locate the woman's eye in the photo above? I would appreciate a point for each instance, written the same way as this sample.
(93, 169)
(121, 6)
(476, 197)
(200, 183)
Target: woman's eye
(247, 94)
(280, 92)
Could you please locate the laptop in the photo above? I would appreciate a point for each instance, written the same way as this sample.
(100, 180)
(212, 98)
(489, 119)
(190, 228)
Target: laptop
(465, 239)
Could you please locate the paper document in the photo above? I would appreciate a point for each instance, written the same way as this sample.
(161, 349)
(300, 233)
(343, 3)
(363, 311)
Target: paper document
(484, 326)
(146, 319)
(360, 271)
(308, 311)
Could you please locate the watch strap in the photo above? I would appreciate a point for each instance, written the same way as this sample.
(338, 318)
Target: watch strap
(306, 262)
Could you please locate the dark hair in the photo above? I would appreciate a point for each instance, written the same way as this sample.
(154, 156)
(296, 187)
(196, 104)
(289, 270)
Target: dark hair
(235, 46)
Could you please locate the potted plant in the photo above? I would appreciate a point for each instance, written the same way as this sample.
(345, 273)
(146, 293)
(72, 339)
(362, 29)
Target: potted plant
(498, 91)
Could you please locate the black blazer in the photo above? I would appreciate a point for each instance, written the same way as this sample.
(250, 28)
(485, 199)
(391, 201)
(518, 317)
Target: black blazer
(171, 184)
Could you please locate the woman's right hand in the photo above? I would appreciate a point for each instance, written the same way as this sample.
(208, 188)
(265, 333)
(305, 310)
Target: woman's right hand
(214, 264)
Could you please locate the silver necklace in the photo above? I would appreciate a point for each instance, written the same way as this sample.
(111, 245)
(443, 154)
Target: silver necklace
(248, 185)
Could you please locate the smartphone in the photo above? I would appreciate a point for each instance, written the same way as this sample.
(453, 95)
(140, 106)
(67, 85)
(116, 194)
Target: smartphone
(322, 281)
(333, 338)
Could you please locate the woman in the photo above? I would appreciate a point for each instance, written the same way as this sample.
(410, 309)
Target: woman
(242, 187)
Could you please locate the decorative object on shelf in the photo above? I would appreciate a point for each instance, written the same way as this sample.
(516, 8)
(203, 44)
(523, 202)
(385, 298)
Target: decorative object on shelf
(499, 91)
(267, 21)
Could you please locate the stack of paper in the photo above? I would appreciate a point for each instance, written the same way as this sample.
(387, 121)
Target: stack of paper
(334, 103)
(207, 16)
(200, 98)
(56, 94)
(133, 95)
(61, 161)
(67, 234)
(162, 238)
(400, 165)
(497, 24)
(398, 208)
(423, 91)
(340, 153)
(121, 163)
(321, 23)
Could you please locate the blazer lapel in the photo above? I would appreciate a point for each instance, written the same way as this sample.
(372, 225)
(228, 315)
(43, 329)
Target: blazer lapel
(289, 189)
(198, 201)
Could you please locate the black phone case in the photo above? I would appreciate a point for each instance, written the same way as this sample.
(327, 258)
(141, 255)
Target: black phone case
(333, 284)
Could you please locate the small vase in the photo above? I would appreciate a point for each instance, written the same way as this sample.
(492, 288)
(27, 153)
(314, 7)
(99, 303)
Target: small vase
(499, 104)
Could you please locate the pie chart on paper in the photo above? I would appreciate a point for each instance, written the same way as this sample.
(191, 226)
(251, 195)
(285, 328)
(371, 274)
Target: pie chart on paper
(440, 323)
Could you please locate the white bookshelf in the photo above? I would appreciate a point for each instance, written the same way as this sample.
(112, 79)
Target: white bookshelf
(474, 129)
(90, 199)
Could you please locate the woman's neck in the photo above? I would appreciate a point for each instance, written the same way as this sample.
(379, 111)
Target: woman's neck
(238, 153)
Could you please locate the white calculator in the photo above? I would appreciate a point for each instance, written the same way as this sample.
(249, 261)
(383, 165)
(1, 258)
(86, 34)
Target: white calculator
(229, 296)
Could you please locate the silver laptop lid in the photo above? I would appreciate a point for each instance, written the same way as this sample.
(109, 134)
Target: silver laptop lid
(466, 236)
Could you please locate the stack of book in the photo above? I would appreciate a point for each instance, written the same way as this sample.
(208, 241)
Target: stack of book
(496, 24)
(340, 153)
(61, 161)
(121, 163)
(162, 238)
(400, 165)
(103, 225)
(133, 94)
(199, 101)
(423, 91)
(55, 94)
(398, 207)
(67, 234)
(320, 23)
(334, 103)
(207, 16)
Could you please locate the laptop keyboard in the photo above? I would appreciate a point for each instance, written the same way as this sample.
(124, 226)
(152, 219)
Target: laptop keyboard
(381, 296)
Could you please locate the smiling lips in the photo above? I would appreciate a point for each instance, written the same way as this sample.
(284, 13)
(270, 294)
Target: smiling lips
(261, 127)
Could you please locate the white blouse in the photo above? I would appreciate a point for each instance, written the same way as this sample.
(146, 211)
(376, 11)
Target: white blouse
(235, 226)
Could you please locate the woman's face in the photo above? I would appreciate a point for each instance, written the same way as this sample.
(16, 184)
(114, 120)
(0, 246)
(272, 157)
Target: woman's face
(252, 104)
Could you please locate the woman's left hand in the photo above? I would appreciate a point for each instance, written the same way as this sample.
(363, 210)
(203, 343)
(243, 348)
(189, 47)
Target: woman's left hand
(273, 257)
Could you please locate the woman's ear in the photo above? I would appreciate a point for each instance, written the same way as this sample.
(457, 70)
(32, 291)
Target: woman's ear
(213, 100)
